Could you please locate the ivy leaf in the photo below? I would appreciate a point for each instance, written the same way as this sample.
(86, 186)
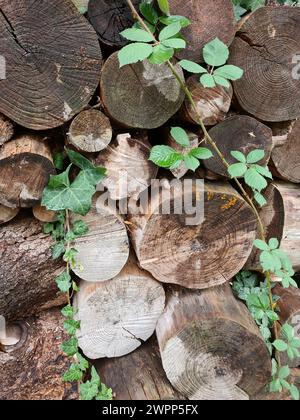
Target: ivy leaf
(161, 54)
(164, 6)
(229, 72)
(68, 311)
(176, 43)
(105, 394)
(149, 13)
(63, 282)
(74, 374)
(237, 170)
(70, 347)
(168, 20)
(180, 136)
(255, 156)
(135, 34)
(89, 390)
(82, 362)
(221, 81)
(89, 172)
(280, 345)
(58, 160)
(215, 53)
(58, 249)
(207, 81)
(71, 326)
(201, 153)
(238, 156)
(133, 53)
(169, 31)
(192, 67)
(80, 227)
(165, 156)
(255, 180)
(191, 162)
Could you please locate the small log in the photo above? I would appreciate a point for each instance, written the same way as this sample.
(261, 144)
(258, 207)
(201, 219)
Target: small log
(31, 366)
(129, 171)
(286, 155)
(104, 250)
(27, 277)
(240, 133)
(117, 316)
(209, 19)
(211, 348)
(212, 104)
(265, 48)
(141, 95)
(90, 131)
(138, 376)
(7, 214)
(44, 215)
(109, 18)
(6, 129)
(25, 168)
(184, 249)
(194, 141)
(52, 70)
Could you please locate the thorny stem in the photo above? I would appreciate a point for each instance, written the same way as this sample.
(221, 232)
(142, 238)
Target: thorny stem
(209, 139)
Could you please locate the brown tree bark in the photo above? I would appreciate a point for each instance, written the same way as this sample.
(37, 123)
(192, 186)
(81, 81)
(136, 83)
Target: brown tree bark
(52, 69)
(6, 129)
(142, 95)
(211, 348)
(32, 368)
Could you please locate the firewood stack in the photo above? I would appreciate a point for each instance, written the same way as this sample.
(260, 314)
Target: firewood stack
(157, 312)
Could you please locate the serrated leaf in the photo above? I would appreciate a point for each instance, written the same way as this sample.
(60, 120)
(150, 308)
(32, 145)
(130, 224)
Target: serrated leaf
(215, 53)
(260, 199)
(221, 81)
(180, 136)
(207, 81)
(165, 156)
(169, 31)
(294, 392)
(161, 54)
(229, 72)
(192, 67)
(288, 331)
(255, 180)
(237, 170)
(168, 20)
(264, 171)
(238, 156)
(176, 43)
(191, 162)
(133, 53)
(273, 243)
(135, 34)
(255, 156)
(201, 153)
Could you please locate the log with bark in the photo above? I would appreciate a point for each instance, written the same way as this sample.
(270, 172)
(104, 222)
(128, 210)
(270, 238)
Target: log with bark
(184, 249)
(7, 214)
(52, 68)
(209, 19)
(6, 129)
(25, 168)
(27, 275)
(210, 346)
(240, 133)
(129, 171)
(142, 95)
(31, 366)
(265, 48)
(212, 104)
(117, 316)
(104, 250)
(138, 376)
(90, 131)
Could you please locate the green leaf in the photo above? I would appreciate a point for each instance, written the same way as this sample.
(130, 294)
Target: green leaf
(164, 6)
(90, 173)
(61, 180)
(238, 156)
(290, 354)
(149, 13)
(57, 250)
(63, 282)
(82, 362)
(74, 374)
(260, 199)
(105, 394)
(176, 43)
(280, 345)
(191, 162)
(165, 156)
(264, 171)
(70, 347)
(168, 20)
(273, 243)
(134, 34)
(221, 81)
(133, 53)
(70, 255)
(207, 81)
(68, 311)
(215, 53)
(180, 136)
(255, 156)
(295, 343)
(192, 67)
(284, 372)
(58, 160)
(201, 153)
(71, 326)
(288, 331)
(294, 392)
(274, 367)
(237, 170)
(88, 391)
(161, 54)
(80, 228)
(255, 180)
(169, 31)
(275, 386)
(273, 316)
(229, 72)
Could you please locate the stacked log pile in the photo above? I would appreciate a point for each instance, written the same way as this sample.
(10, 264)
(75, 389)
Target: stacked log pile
(157, 312)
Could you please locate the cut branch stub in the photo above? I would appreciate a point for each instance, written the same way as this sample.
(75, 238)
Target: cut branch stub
(118, 315)
(141, 95)
(210, 19)
(211, 348)
(240, 133)
(52, 67)
(175, 249)
(266, 49)
(6, 129)
(25, 167)
(90, 131)
(109, 18)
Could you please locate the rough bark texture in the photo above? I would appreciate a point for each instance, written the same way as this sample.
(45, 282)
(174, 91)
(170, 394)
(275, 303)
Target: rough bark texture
(129, 171)
(104, 250)
(212, 104)
(53, 60)
(90, 131)
(25, 167)
(27, 273)
(210, 19)
(7, 214)
(138, 376)
(184, 249)
(32, 369)
(118, 315)
(210, 346)
(141, 95)
(6, 129)
(194, 141)
(265, 49)
(240, 133)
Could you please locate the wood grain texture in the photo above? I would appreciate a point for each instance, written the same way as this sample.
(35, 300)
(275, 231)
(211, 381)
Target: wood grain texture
(141, 95)
(25, 168)
(211, 348)
(117, 316)
(7, 214)
(198, 256)
(32, 369)
(265, 49)
(53, 60)
(6, 129)
(104, 250)
(138, 376)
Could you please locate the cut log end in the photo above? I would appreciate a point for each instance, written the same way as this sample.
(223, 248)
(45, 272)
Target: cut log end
(44, 215)
(7, 214)
(6, 129)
